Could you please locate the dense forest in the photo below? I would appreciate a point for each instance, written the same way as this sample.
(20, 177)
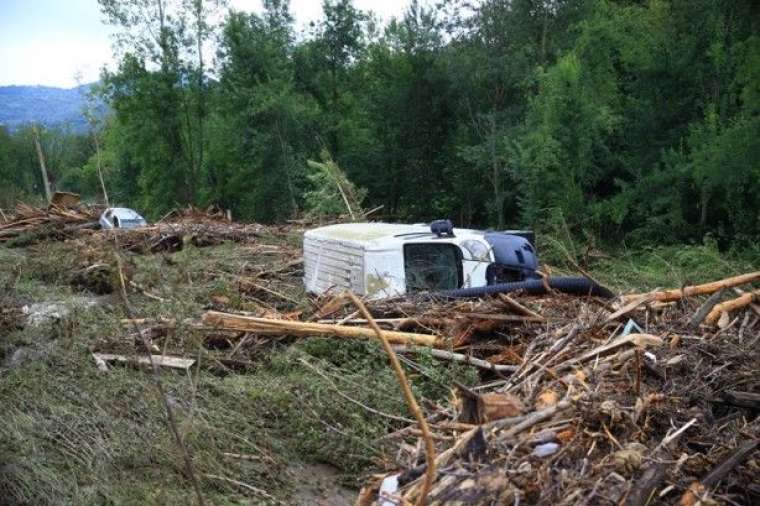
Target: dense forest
(634, 121)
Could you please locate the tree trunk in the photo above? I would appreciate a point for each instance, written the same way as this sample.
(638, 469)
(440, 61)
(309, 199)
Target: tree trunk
(704, 207)
(100, 168)
(43, 169)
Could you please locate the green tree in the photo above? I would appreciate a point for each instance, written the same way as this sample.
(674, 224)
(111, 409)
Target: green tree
(159, 94)
(264, 129)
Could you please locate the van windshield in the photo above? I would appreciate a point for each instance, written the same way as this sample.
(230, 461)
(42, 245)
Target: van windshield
(432, 267)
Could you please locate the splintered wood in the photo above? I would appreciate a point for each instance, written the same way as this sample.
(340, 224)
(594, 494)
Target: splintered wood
(51, 220)
(565, 400)
(587, 413)
(569, 406)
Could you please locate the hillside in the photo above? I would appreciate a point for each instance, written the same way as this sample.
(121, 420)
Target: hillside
(43, 104)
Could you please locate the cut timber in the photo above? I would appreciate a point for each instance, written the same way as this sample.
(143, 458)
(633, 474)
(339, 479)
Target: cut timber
(747, 400)
(755, 307)
(732, 305)
(274, 327)
(703, 289)
(462, 358)
(159, 360)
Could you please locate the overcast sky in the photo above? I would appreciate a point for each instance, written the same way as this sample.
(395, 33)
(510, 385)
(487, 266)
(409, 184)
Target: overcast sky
(48, 42)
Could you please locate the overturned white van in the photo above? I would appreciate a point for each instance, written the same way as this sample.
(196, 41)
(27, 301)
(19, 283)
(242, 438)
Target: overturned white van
(380, 260)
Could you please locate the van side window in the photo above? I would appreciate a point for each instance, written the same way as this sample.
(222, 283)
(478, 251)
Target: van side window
(432, 267)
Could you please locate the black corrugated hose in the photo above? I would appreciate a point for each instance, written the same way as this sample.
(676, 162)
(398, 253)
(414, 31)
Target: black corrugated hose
(569, 284)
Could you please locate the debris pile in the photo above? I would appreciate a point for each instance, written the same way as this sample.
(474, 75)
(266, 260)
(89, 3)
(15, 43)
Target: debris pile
(651, 398)
(170, 236)
(52, 222)
(649, 401)
(66, 218)
(192, 214)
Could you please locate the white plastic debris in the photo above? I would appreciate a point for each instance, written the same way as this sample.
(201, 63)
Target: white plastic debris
(546, 449)
(630, 327)
(388, 488)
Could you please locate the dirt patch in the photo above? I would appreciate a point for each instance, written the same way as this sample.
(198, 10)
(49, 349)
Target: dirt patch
(318, 485)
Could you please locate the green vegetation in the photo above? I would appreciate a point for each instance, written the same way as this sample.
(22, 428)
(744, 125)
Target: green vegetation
(635, 121)
(73, 434)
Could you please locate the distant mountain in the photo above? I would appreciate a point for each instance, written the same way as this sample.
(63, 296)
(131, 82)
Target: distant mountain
(48, 106)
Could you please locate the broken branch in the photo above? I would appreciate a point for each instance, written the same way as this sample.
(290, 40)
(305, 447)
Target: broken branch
(410, 400)
(732, 305)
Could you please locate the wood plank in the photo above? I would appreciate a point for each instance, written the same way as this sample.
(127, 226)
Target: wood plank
(159, 360)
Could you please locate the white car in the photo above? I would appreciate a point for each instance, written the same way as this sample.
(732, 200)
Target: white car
(121, 217)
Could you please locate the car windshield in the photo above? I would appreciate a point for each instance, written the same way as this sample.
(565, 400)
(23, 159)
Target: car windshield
(432, 267)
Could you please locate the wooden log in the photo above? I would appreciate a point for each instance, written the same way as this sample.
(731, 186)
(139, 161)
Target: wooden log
(731, 305)
(737, 457)
(704, 309)
(639, 340)
(158, 360)
(755, 307)
(703, 289)
(275, 327)
(512, 303)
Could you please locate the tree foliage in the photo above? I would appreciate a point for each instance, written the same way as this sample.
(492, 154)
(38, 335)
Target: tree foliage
(632, 121)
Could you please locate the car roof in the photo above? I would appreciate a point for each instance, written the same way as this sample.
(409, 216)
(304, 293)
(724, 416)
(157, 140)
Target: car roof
(124, 213)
